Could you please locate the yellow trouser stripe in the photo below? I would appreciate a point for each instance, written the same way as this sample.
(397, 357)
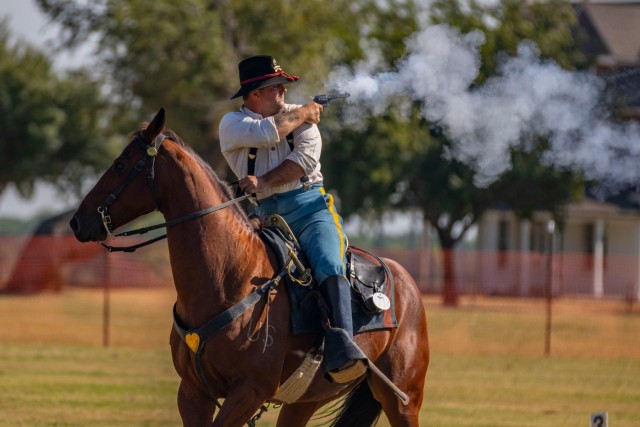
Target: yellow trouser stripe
(336, 220)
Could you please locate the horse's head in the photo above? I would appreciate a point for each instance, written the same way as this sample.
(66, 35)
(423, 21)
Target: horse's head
(125, 191)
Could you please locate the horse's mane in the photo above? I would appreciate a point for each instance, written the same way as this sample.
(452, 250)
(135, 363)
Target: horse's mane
(224, 187)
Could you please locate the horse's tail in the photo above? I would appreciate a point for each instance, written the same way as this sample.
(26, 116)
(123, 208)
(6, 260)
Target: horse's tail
(359, 408)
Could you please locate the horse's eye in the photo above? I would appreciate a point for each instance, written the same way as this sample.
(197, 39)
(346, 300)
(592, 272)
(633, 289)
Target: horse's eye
(118, 166)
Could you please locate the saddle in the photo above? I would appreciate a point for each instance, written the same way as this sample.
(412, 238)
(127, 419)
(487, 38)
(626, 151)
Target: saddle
(372, 301)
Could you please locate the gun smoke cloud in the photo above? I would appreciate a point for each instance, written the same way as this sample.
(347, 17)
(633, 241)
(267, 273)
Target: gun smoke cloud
(529, 98)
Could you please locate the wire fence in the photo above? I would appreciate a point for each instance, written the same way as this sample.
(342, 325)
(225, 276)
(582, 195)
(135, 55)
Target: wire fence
(525, 274)
(31, 264)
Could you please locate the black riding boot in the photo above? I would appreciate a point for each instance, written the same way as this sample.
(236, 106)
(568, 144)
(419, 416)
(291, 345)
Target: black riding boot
(343, 358)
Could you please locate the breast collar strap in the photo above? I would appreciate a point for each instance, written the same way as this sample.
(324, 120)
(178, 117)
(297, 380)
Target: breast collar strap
(196, 339)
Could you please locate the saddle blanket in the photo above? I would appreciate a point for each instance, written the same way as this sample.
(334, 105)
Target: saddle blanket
(305, 311)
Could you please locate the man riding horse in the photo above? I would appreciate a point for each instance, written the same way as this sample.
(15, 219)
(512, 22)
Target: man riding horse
(274, 149)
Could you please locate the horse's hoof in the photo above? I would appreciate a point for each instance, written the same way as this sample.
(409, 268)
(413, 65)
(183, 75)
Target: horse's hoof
(348, 372)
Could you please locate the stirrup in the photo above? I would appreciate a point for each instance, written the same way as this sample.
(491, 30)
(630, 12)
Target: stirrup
(350, 373)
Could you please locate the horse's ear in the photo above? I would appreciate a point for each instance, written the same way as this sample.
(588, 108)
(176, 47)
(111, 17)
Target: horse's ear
(155, 127)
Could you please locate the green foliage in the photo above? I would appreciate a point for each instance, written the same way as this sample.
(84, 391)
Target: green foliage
(445, 191)
(529, 185)
(368, 166)
(15, 226)
(551, 24)
(183, 55)
(387, 25)
(50, 125)
(379, 167)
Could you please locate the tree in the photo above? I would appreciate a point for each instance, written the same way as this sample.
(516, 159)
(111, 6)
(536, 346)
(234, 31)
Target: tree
(51, 127)
(452, 203)
(423, 173)
(552, 26)
(366, 164)
(184, 55)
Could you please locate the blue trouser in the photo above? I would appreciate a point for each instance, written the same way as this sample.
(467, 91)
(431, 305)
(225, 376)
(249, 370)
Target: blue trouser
(316, 224)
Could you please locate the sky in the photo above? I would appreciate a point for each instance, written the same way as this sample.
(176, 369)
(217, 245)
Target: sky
(29, 24)
(25, 20)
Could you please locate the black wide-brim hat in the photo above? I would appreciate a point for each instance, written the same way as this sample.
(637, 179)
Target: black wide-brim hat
(260, 71)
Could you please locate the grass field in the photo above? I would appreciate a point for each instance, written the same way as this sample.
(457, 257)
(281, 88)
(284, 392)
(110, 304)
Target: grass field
(488, 366)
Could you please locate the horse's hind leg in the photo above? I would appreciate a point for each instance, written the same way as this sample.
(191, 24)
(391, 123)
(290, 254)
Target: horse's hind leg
(398, 414)
(407, 359)
(406, 366)
(297, 414)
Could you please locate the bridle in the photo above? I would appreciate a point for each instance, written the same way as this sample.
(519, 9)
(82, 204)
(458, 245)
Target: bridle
(151, 152)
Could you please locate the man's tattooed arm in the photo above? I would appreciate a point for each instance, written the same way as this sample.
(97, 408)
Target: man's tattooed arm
(291, 116)
(290, 120)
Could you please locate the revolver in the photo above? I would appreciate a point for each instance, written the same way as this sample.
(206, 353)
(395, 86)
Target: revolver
(325, 99)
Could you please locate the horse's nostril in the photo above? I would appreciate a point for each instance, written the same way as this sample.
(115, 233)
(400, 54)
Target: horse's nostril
(75, 225)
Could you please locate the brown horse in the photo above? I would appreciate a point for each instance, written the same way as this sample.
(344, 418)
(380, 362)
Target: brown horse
(219, 259)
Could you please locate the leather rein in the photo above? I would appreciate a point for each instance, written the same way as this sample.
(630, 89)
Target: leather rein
(151, 152)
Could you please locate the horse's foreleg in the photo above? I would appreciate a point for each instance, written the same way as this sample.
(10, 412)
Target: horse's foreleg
(297, 414)
(239, 406)
(195, 411)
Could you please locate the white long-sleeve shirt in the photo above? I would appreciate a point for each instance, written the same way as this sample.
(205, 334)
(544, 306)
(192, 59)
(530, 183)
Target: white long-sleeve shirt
(240, 130)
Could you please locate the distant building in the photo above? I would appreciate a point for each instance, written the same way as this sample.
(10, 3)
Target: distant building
(597, 252)
(613, 42)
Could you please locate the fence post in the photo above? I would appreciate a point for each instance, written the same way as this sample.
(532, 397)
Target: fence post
(598, 259)
(106, 302)
(549, 288)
